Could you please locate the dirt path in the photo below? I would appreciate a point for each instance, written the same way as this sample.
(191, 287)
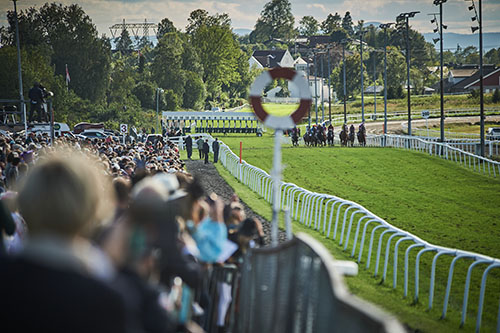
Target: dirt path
(212, 182)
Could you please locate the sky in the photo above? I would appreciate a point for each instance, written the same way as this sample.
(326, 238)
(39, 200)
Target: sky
(244, 13)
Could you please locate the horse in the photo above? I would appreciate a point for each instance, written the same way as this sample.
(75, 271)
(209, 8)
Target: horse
(320, 138)
(362, 138)
(343, 138)
(351, 138)
(307, 139)
(295, 138)
(329, 137)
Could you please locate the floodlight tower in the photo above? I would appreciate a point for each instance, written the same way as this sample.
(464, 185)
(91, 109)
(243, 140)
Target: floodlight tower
(385, 26)
(439, 28)
(403, 24)
(479, 18)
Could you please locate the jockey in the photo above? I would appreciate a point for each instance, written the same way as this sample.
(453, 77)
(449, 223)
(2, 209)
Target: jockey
(330, 127)
(352, 129)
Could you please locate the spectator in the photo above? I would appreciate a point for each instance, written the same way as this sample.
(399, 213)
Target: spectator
(206, 150)
(189, 146)
(36, 102)
(60, 200)
(215, 148)
(199, 142)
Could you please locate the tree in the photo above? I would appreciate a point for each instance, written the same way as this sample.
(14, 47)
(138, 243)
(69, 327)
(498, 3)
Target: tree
(70, 38)
(166, 68)
(124, 43)
(331, 23)
(218, 51)
(495, 98)
(276, 22)
(492, 56)
(164, 27)
(145, 93)
(308, 26)
(170, 100)
(194, 91)
(396, 70)
(353, 78)
(200, 17)
(347, 24)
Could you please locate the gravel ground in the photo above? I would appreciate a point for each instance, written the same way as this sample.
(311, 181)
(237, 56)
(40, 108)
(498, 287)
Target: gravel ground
(212, 182)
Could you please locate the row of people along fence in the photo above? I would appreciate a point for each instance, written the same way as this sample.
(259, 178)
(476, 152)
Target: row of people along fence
(365, 235)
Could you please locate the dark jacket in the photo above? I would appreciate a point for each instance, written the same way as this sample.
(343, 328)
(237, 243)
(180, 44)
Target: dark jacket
(36, 95)
(206, 148)
(189, 142)
(215, 146)
(39, 298)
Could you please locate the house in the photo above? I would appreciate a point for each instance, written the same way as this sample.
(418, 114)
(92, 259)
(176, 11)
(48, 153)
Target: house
(378, 89)
(469, 83)
(300, 65)
(461, 73)
(491, 81)
(271, 59)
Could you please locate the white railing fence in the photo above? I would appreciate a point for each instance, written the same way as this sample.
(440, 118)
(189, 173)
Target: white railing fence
(462, 152)
(365, 235)
(334, 217)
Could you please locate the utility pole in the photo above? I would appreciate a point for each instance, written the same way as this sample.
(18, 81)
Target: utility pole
(441, 83)
(309, 86)
(20, 72)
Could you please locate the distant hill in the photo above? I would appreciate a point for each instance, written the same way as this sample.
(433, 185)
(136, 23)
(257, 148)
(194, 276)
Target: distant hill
(242, 32)
(491, 40)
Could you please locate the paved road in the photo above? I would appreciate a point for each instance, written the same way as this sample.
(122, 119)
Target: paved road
(394, 126)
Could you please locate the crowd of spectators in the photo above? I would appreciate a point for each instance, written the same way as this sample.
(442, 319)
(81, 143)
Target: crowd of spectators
(99, 236)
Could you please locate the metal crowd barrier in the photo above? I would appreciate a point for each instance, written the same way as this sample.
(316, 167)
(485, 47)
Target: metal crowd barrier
(334, 217)
(295, 288)
(442, 150)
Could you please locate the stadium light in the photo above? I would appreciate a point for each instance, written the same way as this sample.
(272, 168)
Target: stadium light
(385, 26)
(435, 40)
(403, 21)
(478, 18)
(440, 28)
(361, 32)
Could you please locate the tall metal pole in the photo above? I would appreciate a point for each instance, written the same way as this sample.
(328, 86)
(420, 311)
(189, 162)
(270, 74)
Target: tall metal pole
(441, 84)
(408, 73)
(316, 88)
(19, 70)
(375, 85)
(481, 88)
(276, 177)
(322, 91)
(157, 107)
(345, 93)
(309, 85)
(362, 89)
(329, 89)
(385, 80)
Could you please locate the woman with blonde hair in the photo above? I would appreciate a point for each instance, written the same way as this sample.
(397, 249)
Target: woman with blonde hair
(52, 285)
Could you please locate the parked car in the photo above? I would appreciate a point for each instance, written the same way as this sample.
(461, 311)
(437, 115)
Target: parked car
(92, 134)
(81, 127)
(153, 138)
(493, 133)
(60, 129)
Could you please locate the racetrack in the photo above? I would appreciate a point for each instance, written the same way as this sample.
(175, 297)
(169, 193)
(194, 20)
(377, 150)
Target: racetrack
(395, 127)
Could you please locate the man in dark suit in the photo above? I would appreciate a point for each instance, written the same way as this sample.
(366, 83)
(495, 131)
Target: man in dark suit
(206, 150)
(215, 148)
(189, 146)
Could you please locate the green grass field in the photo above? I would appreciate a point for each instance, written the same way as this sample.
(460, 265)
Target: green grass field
(435, 199)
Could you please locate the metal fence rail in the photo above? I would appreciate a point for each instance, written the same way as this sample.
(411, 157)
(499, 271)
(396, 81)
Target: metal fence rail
(450, 151)
(295, 288)
(348, 223)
